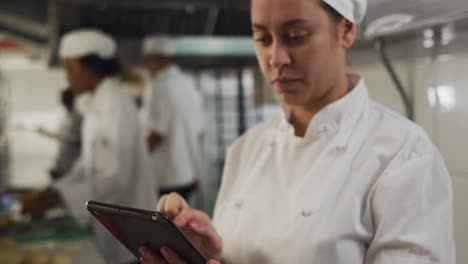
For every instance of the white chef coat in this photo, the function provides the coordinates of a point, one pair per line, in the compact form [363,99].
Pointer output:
[113,166]
[172,106]
[364,185]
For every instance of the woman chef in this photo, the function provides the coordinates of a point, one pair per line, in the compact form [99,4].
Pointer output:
[336,177]
[111,167]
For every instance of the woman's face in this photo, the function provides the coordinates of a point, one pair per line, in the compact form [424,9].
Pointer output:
[300,49]
[78,76]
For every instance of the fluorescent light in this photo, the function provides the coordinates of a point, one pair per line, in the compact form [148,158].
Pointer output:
[428,33]
[428,43]
[428,40]
[444,96]
[447,34]
[432,97]
[388,24]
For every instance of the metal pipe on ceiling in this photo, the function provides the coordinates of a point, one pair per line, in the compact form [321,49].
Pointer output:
[407,101]
[211,21]
[24,25]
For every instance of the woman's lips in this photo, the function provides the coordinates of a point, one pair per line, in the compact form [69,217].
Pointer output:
[285,85]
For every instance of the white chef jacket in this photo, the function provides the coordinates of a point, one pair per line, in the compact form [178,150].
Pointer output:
[113,166]
[364,185]
[172,106]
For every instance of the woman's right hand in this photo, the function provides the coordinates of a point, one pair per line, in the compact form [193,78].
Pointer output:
[195,224]
[168,256]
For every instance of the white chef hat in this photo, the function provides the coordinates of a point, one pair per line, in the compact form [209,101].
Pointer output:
[159,45]
[79,43]
[352,10]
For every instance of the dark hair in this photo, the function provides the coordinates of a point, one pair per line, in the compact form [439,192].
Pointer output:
[332,13]
[68,98]
[101,67]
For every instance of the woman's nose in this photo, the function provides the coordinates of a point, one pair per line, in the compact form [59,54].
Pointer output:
[279,56]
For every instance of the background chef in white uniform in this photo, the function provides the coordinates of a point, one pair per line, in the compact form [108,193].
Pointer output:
[111,168]
[172,118]
[336,177]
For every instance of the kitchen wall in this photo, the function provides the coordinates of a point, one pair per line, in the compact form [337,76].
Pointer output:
[438,82]
[33,92]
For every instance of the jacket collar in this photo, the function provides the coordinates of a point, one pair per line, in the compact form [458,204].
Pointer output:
[101,94]
[169,70]
[339,115]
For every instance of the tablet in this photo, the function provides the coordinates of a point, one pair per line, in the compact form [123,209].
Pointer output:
[135,228]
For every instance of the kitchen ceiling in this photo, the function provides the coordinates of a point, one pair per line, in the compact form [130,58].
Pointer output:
[209,17]
[44,21]
[419,14]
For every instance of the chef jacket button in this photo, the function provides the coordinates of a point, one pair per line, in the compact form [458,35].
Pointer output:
[341,148]
[239,204]
[411,155]
[306,213]
[104,142]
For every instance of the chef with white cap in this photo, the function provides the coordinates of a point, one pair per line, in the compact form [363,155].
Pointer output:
[335,178]
[113,165]
[172,117]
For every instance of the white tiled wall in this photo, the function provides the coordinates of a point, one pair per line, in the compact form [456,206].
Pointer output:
[440,88]
[460,187]
[34,102]
[380,86]
[450,118]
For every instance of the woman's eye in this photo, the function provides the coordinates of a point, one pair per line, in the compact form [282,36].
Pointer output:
[262,40]
[296,37]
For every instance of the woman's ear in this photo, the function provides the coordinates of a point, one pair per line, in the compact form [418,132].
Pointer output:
[347,33]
